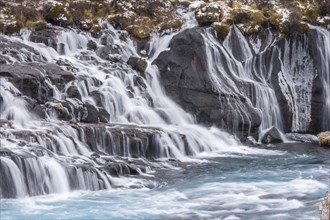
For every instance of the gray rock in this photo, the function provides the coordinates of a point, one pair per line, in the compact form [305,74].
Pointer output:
[104,115]
[46,36]
[271,136]
[137,63]
[91,115]
[305,138]
[73,92]
[91,45]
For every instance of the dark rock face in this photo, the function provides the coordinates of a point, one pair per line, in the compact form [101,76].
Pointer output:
[91,45]
[137,63]
[91,115]
[30,79]
[184,74]
[46,36]
[291,67]
[272,136]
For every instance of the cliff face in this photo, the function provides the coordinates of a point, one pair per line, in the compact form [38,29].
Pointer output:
[245,82]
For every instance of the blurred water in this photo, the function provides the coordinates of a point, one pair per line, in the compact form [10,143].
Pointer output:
[236,186]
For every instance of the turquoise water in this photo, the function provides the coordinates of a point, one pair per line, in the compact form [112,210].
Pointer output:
[288,185]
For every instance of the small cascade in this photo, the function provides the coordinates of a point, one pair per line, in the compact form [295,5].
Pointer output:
[323,54]
[296,80]
[245,76]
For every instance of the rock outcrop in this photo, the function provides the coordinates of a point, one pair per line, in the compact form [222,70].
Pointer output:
[184,75]
[272,136]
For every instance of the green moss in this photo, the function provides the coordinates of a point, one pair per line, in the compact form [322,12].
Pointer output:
[13,28]
[141,27]
[55,12]
[310,14]
[1,27]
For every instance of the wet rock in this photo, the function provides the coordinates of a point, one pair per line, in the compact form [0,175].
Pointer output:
[104,52]
[325,207]
[98,97]
[137,63]
[91,115]
[28,79]
[324,138]
[104,115]
[114,58]
[73,92]
[91,45]
[46,36]
[271,136]
[184,75]
[304,138]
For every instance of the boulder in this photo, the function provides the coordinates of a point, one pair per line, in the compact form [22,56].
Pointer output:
[271,136]
[104,115]
[304,138]
[142,17]
[73,92]
[137,63]
[91,45]
[30,79]
[206,14]
[324,138]
[91,115]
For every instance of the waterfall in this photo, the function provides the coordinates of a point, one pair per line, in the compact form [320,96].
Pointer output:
[52,156]
[74,118]
[245,76]
[296,79]
[323,43]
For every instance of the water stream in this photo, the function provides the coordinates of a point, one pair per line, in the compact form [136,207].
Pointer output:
[152,159]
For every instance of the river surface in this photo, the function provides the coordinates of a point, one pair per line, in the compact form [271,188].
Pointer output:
[277,184]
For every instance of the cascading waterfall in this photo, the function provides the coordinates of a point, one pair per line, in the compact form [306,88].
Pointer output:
[296,80]
[246,67]
[323,37]
[55,157]
[244,76]
[142,124]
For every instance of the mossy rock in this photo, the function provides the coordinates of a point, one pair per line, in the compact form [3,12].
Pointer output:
[324,138]
[36,25]
[206,14]
[13,28]
[142,17]
[250,21]
[141,27]
[173,23]
[184,3]
[55,12]
[123,19]
[222,29]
